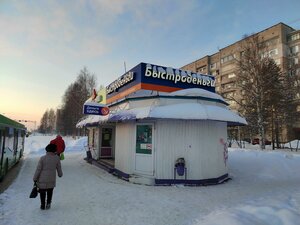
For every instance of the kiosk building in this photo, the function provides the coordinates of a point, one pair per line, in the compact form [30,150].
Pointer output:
[165,126]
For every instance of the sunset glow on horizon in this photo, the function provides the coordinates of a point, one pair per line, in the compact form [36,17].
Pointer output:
[45,44]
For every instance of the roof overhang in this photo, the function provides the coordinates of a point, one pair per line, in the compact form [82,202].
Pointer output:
[182,111]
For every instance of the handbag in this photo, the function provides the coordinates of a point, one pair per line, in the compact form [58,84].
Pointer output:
[34,191]
[62,156]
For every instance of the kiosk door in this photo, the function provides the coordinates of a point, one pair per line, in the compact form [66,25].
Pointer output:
[106,143]
[144,149]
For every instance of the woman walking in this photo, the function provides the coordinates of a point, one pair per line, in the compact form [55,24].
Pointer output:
[45,175]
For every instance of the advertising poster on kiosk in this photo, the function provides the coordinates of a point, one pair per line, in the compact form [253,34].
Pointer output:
[144,139]
[95,105]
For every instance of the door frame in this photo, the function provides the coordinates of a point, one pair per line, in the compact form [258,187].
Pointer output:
[113,141]
[152,172]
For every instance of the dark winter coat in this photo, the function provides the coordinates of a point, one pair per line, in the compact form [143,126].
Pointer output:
[60,144]
[45,174]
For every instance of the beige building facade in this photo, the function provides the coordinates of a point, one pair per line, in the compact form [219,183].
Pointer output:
[283,44]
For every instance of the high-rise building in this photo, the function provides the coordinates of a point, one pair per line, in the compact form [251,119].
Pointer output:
[283,44]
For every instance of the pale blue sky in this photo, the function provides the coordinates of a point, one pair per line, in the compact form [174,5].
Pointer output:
[44,44]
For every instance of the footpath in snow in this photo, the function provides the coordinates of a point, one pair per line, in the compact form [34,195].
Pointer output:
[265,189]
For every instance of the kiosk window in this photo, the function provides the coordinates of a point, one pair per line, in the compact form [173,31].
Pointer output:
[144,139]
[106,137]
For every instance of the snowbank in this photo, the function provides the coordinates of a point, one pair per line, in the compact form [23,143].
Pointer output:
[295,144]
[264,190]
[264,211]
[36,144]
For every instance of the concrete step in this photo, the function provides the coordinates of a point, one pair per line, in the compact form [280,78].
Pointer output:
[138,179]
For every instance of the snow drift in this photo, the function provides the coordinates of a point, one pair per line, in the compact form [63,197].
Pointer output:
[264,190]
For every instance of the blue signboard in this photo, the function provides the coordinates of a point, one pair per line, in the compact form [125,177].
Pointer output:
[147,76]
[95,110]
[176,78]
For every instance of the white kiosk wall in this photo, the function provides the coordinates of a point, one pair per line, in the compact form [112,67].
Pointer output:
[125,145]
[198,142]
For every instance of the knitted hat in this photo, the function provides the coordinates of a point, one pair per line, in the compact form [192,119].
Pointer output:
[51,148]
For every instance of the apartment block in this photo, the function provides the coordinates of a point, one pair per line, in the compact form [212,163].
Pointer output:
[283,43]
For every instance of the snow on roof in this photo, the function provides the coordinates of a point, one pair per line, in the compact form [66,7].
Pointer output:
[196,92]
[191,92]
[196,111]
[185,111]
[91,119]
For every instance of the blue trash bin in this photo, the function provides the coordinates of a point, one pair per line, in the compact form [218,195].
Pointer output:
[180,166]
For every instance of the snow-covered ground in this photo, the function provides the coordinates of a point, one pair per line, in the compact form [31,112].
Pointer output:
[265,189]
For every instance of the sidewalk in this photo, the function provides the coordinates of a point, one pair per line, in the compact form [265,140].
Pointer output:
[263,182]
[89,195]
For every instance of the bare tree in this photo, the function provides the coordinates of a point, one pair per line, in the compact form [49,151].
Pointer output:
[47,124]
[51,121]
[43,124]
[260,85]
[73,99]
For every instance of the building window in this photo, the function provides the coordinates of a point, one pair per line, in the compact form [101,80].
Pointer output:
[273,52]
[294,37]
[213,66]
[277,61]
[214,73]
[229,94]
[295,49]
[231,102]
[231,75]
[295,61]
[270,53]
[227,58]
[228,86]
[271,42]
[201,69]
